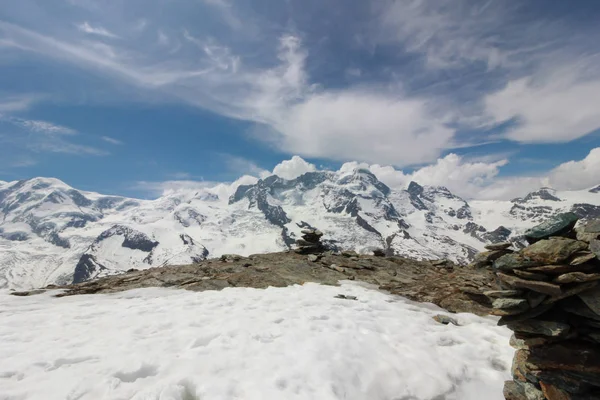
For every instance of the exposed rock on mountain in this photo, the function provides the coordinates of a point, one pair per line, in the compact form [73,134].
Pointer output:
[52,233]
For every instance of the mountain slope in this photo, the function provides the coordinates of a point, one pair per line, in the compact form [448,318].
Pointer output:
[52,233]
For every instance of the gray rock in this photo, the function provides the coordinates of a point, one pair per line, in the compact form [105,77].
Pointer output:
[346,297]
[555,226]
[592,226]
[553,251]
[516,390]
[445,320]
[538,327]
[595,248]
[313,258]
[527,315]
[510,303]
[571,290]
[231,257]
[509,262]
[502,293]
[498,246]
[537,286]
[576,277]
[575,306]
[349,253]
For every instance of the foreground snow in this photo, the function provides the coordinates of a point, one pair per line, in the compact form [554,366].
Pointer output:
[281,343]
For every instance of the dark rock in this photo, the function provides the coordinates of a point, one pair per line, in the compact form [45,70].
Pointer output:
[582,258]
[537,286]
[498,246]
[535,299]
[445,320]
[576,277]
[486,258]
[572,382]
[534,312]
[566,356]
[576,306]
[571,290]
[349,253]
[553,251]
[520,341]
[379,253]
[346,297]
[538,327]
[532,276]
[592,299]
[555,226]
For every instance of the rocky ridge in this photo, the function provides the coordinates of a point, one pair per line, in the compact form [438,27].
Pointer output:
[550,299]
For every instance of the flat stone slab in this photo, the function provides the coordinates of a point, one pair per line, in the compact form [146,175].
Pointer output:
[537,286]
[502,293]
[537,327]
[561,269]
[498,246]
[576,277]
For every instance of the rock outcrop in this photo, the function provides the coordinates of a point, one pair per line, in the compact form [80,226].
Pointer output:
[550,299]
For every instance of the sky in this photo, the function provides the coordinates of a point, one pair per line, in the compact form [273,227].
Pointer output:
[133,97]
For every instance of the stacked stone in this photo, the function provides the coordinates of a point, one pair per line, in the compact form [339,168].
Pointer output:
[310,243]
[550,299]
[494,252]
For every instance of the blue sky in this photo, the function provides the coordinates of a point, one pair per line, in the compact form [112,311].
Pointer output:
[132,96]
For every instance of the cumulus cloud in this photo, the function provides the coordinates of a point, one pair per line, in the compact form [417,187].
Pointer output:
[293,168]
[575,175]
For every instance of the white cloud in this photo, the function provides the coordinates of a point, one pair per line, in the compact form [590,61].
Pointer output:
[576,175]
[241,165]
[14,103]
[221,189]
[111,140]
[98,30]
[557,106]
[35,126]
[293,168]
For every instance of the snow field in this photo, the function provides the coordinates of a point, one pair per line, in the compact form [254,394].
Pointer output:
[297,342]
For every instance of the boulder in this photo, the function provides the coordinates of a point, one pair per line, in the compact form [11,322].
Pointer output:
[445,320]
[379,252]
[557,225]
[553,251]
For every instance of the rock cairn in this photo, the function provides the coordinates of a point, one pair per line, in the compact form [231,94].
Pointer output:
[310,243]
[550,299]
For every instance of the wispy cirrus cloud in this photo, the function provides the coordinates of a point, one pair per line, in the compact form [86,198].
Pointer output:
[111,140]
[98,30]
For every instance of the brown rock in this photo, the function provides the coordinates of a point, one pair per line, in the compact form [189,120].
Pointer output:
[576,277]
[532,276]
[537,286]
[502,293]
[520,341]
[561,269]
[553,393]
[582,258]
[553,251]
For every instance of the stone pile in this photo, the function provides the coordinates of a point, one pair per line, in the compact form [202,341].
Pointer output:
[310,243]
[550,299]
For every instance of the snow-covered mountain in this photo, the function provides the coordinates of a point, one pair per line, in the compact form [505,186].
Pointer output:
[52,233]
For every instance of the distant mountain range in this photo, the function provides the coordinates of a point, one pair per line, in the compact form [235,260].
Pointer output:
[53,233]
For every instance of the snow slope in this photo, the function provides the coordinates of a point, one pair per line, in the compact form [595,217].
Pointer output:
[52,233]
[288,343]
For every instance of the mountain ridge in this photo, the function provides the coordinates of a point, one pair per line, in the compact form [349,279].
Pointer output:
[53,233]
